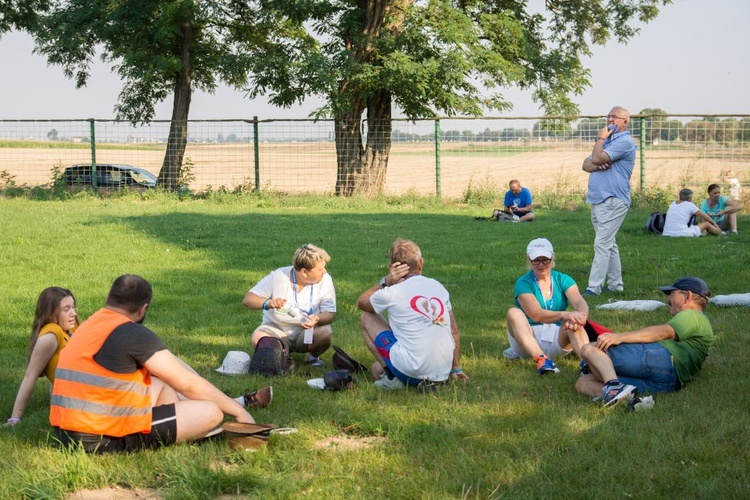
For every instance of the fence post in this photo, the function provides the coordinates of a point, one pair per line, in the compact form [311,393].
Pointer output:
[643,153]
[92,132]
[438,187]
[256,154]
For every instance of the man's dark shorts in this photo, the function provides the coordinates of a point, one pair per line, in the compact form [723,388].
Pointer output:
[163,433]
[384,341]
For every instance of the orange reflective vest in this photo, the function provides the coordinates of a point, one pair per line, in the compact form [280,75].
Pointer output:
[89,398]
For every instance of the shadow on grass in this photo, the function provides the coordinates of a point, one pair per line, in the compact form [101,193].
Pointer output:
[508,431]
[478,262]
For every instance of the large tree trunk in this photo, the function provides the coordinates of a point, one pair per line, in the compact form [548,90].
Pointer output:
[169,174]
[378,149]
[362,170]
[349,150]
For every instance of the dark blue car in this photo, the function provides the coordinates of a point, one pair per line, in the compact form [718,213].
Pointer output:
[109,175]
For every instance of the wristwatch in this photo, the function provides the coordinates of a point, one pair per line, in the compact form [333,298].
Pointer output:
[383,284]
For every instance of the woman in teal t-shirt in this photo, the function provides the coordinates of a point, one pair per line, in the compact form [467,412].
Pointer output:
[722,209]
[540,325]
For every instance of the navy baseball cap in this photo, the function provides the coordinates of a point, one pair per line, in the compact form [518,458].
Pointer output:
[689,284]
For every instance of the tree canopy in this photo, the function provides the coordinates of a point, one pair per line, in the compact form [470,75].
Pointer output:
[20,14]
[160,48]
[436,57]
[363,57]
[445,56]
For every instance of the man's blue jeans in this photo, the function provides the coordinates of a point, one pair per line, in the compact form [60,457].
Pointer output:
[649,367]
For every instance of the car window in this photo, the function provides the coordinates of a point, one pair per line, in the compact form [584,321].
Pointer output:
[115,176]
[78,175]
[141,177]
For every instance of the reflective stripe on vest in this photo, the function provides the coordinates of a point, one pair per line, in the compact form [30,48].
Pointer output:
[98,408]
[101,381]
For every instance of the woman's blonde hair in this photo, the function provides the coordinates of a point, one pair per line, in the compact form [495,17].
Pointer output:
[307,256]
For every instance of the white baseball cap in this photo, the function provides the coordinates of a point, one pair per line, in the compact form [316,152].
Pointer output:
[235,363]
[540,247]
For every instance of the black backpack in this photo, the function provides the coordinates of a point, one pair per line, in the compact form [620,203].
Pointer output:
[271,357]
[655,222]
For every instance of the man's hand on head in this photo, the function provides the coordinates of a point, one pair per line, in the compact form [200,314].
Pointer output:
[397,273]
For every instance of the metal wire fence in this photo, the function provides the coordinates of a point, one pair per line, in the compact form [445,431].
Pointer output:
[429,157]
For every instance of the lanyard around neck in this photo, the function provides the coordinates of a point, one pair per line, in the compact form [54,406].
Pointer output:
[546,304]
[294,289]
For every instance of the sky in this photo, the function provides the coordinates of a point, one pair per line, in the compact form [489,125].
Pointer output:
[691,60]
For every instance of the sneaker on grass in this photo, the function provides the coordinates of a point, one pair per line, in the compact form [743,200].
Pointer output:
[545,365]
[584,369]
[315,362]
[616,393]
[389,383]
[640,404]
[429,386]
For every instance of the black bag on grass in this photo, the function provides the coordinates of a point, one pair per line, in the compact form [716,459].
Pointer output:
[655,222]
[271,357]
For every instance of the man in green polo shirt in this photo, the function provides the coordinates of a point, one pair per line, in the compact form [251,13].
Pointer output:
[660,358]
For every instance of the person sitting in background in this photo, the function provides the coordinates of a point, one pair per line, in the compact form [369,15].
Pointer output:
[734,185]
[680,213]
[722,209]
[518,203]
[658,358]
[55,320]
[540,326]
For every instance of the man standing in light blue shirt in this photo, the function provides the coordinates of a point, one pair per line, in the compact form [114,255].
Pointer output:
[610,165]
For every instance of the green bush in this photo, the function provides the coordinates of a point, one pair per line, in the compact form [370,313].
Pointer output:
[654,198]
[483,193]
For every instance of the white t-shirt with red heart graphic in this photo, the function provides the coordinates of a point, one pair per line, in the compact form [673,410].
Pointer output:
[418,312]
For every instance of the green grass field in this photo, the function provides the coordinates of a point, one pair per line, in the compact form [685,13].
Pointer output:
[507,433]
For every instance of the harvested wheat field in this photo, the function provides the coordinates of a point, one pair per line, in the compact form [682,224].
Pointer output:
[311,166]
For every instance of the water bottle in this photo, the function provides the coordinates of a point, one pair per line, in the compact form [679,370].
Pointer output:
[296,313]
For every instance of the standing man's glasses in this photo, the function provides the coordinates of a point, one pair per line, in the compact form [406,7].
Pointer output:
[614,117]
